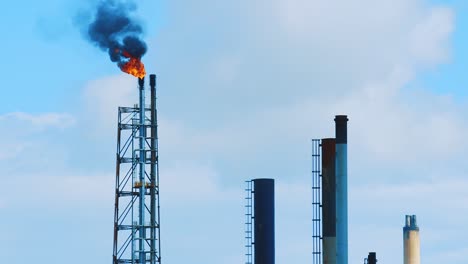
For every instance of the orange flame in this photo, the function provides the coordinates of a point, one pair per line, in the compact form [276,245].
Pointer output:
[133,66]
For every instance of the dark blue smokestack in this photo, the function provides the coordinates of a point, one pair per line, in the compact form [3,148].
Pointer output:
[116,32]
[264,221]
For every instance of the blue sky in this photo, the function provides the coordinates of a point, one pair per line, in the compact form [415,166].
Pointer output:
[450,77]
[243,87]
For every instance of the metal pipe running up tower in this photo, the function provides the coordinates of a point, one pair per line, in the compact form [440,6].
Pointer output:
[136,214]
[341,170]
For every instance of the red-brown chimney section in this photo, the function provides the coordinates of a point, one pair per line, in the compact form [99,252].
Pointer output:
[329,200]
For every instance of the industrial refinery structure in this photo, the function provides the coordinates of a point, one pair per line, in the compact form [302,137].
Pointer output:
[330,196]
[137,214]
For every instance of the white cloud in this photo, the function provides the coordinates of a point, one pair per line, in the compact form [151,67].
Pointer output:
[24,132]
[11,150]
[401,130]
[40,121]
[429,39]
[62,191]
[305,61]
[293,223]
[102,98]
[455,254]
[385,127]
[416,195]
[188,183]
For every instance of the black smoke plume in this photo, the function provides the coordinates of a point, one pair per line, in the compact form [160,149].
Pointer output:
[116,32]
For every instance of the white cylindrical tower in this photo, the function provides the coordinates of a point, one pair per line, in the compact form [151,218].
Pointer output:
[411,242]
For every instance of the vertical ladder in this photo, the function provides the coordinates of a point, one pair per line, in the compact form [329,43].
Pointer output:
[248,222]
[316,202]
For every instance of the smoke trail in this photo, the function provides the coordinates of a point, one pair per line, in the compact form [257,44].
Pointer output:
[115,32]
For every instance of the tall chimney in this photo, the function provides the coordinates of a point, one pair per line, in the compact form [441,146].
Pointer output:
[154,204]
[411,242]
[341,123]
[264,221]
[328,201]
[141,172]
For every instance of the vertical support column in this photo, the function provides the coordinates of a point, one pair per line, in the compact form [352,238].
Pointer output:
[411,242]
[153,184]
[142,161]
[264,221]
[328,201]
[117,191]
[341,123]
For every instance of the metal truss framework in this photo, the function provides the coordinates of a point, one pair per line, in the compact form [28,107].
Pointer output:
[136,215]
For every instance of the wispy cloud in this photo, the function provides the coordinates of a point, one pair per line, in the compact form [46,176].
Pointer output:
[40,121]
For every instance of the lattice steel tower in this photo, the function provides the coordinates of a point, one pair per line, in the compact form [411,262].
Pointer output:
[136,216]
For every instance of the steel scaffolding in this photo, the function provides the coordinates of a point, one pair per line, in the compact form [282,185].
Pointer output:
[136,215]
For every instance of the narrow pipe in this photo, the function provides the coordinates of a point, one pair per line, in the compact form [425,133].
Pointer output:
[117,181]
[264,221]
[328,201]
[153,169]
[158,235]
[341,189]
[141,208]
